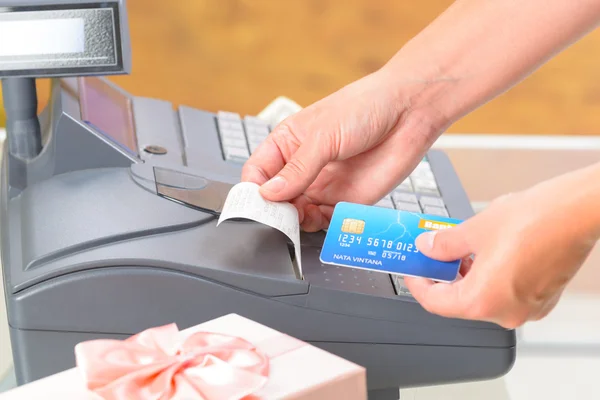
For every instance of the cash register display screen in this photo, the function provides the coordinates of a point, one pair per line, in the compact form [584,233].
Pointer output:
[109,111]
[43,37]
[59,40]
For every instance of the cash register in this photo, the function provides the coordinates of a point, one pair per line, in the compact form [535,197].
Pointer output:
[109,206]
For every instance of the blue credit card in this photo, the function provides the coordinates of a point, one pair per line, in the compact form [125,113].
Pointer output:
[383,239]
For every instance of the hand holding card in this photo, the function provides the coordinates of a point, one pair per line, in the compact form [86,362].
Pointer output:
[527,247]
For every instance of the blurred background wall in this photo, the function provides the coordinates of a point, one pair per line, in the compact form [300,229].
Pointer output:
[238,55]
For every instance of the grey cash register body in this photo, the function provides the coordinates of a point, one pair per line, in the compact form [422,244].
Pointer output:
[109,207]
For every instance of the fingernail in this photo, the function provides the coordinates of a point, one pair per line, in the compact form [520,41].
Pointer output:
[429,239]
[275,185]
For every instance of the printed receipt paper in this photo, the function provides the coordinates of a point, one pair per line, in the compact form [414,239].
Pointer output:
[244,201]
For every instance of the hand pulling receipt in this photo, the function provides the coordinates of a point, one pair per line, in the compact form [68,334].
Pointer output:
[244,201]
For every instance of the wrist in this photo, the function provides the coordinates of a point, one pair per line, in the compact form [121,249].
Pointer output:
[576,203]
[587,185]
[419,96]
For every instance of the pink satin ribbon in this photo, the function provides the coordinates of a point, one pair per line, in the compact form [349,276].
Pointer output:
[154,365]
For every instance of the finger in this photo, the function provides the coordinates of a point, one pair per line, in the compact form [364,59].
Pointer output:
[298,173]
[313,219]
[503,198]
[254,174]
[301,202]
[465,266]
[445,245]
[327,212]
[264,163]
[367,177]
[443,299]
[316,218]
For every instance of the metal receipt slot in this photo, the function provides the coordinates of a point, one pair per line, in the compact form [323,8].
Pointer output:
[109,204]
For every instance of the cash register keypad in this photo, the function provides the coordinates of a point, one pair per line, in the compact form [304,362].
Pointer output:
[240,138]
[418,193]
[257,131]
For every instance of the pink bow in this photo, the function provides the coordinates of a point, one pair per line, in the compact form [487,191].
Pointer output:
[152,365]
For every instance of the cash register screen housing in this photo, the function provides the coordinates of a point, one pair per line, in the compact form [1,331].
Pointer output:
[109,111]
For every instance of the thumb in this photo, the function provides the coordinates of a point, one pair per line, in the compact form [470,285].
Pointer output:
[298,173]
[445,245]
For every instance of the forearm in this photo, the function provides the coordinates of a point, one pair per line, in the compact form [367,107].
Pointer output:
[478,49]
[578,206]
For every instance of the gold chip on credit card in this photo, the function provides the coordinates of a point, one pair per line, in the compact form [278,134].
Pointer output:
[350,225]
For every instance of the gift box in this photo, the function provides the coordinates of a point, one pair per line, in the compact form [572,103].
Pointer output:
[227,358]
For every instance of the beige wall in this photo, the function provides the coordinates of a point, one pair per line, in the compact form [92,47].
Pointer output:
[240,54]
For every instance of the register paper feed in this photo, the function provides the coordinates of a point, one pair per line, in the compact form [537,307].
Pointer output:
[245,201]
